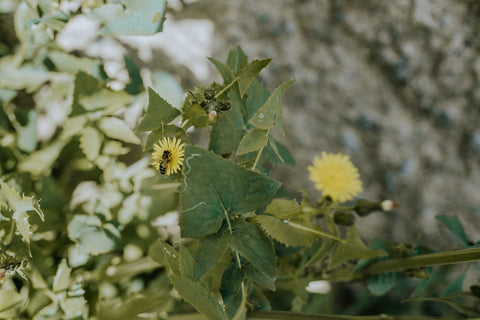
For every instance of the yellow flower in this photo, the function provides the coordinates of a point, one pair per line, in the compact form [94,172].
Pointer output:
[335,176]
[168,155]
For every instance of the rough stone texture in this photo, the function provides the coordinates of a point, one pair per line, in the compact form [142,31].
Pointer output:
[394,84]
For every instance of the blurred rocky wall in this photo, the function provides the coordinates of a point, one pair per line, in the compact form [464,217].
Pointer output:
[394,84]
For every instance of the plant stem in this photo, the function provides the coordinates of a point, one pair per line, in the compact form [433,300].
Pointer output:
[424,260]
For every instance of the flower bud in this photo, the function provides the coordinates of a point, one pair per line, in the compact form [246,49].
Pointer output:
[212,115]
[388,205]
[320,286]
[364,207]
[344,218]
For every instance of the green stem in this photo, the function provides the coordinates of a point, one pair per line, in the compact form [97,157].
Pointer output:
[424,260]
[258,158]
[226,88]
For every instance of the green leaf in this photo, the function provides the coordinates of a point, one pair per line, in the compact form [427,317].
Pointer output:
[249,72]
[10,301]
[380,284]
[20,207]
[27,136]
[159,113]
[255,140]
[84,85]
[117,129]
[271,112]
[456,285]
[258,277]
[252,244]
[167,87]
[40,162]
[90,143]
[165,254]
[224,70]
[455,227]
[257,96]
[231,289]
[353,249]
[139,18]
[214,188]
[135,86]
[91,236]
[210,250]
[277,153]
[198,296]
[196,116]
[285,233]
[61,281]
[186,262]
[105,99]
[282,208]
[228,130]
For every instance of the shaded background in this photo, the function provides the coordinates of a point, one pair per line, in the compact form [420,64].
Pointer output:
[394,84]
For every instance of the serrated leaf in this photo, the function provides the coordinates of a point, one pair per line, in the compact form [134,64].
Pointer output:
[257,96]
[378,285]
[61,281]
[282,208]
[117,129]
[271,112]
[258,277]
[285,233]
[20,207]
[105,99]
[165,254]
[224,70]
[249,72]
[139,18]
[208,188]
[27,136]
[252,244]
[353,249]
[156,135]
[90,143]
[159,113]
[84,85]
[91,236]
[255,140]
[210,250]
[455,227]
[198,296]
[41,162]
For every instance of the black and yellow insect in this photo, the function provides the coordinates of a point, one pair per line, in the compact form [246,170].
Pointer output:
[165,162]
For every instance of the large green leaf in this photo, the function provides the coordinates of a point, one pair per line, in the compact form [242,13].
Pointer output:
[214,189]
[285,233]
[198,296]
[271,112]
[210,250]
[139,18]
[159,113]
[254,245]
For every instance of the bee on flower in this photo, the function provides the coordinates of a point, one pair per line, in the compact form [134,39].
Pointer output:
[335,176]
[168,155]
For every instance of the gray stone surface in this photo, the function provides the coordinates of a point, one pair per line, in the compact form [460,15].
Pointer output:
[394,84]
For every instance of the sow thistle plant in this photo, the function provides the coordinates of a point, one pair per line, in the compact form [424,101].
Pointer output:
[248,248]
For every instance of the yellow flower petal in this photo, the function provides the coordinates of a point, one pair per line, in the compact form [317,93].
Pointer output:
[175,159]
[335,176]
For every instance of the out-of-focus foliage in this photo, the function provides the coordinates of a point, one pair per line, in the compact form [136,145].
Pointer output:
[114,239]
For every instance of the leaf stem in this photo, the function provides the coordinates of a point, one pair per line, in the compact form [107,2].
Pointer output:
[226,88]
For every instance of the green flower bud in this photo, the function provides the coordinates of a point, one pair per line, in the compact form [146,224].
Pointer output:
[344,218]
[364,207]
